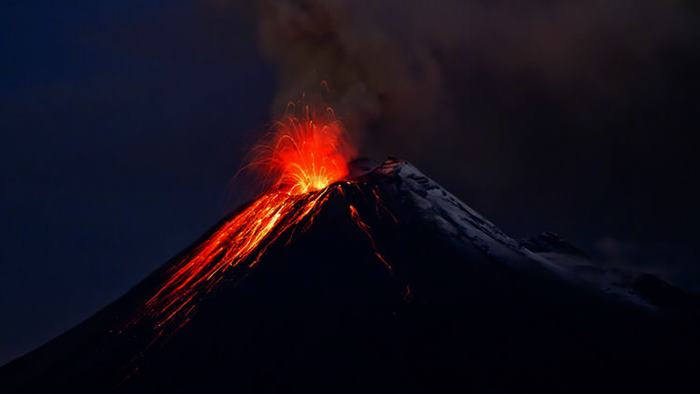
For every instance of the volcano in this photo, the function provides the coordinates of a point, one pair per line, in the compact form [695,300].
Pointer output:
[388,283]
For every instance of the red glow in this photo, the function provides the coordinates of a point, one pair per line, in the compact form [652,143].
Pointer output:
[244,237]
[365,229]
[304,154]
[300,161]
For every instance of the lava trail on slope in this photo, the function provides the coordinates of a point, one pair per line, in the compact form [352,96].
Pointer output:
[380,281]
[303,161]
[244,239]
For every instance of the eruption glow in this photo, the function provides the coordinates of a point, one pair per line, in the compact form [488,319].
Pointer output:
[304,155]
[301,161]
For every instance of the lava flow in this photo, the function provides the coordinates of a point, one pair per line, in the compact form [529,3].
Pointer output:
[301,162]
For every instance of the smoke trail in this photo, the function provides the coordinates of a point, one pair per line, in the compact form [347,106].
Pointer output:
[394,65]
[513,104]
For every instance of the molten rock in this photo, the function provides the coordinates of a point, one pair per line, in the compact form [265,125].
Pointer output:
[382,283]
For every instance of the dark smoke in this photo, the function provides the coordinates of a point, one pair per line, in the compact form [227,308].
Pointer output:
[547,115]
[406,64]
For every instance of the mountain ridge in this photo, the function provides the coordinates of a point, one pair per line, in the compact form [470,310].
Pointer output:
[457,301]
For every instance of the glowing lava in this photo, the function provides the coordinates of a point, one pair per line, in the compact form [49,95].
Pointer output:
[300,161]
[244,238]
[303,155]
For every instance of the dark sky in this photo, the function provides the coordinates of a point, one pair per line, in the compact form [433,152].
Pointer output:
[122,125]
[123,122]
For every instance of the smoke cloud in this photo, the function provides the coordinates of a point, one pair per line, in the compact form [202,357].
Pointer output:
[567,116]
[400,69]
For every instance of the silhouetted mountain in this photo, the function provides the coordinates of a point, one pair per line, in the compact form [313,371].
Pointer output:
[462,308]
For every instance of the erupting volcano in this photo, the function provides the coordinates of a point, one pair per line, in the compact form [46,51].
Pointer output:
[351,276]
[301,160]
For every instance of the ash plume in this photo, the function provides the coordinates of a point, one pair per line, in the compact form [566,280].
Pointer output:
[398,67]
[511,104]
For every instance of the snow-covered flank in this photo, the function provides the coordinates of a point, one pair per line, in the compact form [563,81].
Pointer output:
[459,222]
[451,216]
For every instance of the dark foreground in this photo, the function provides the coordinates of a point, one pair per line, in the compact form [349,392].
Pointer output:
[463,309]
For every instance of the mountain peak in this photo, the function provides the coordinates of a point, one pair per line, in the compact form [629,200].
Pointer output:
[387,282]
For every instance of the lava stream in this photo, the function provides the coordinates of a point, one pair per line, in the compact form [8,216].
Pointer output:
[301,161]
[245,236]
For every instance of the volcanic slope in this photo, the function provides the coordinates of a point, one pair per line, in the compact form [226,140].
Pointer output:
[394,286]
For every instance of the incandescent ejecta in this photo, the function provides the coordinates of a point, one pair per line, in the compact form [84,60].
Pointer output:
[345,276]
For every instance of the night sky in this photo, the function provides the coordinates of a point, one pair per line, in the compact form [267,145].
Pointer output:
[123,123]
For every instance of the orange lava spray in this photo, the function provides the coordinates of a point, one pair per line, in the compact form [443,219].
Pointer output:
[300,161]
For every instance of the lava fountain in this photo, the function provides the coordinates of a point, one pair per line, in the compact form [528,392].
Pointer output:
[300,162]
[305,154]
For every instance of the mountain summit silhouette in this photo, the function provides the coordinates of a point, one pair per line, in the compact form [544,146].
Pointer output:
[423,295]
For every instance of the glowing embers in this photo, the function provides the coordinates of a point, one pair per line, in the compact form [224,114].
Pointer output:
[355,216]
[298,161]
[301,161]
[244,238]
[304,154]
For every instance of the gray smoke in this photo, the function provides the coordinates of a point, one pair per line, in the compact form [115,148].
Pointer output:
[394,65]
[542,114]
